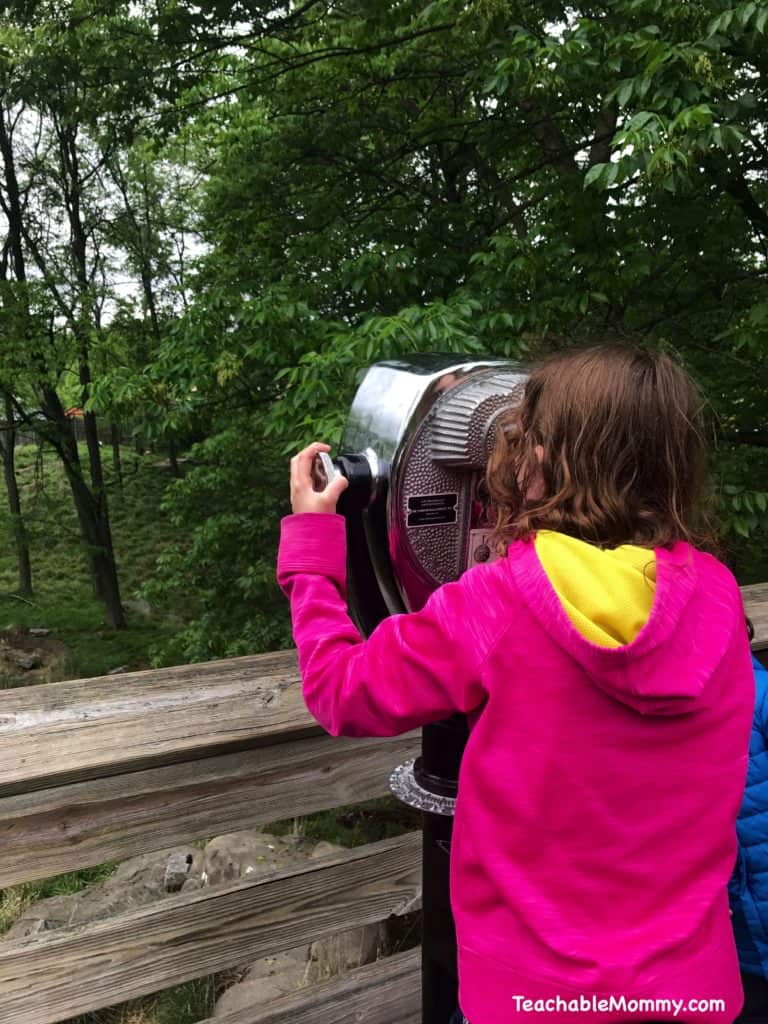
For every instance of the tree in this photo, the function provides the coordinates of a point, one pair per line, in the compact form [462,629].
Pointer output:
[508,176]
[8,455]
[64,114]
[151,224]
[489,176]
[71,297]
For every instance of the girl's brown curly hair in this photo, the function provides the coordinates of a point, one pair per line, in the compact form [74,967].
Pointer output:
[624,455]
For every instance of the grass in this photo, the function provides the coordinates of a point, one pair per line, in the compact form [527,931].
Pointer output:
[352,826]
[185,1004]
[63,600]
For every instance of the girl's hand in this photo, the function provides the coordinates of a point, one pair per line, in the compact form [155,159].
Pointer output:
[303,496]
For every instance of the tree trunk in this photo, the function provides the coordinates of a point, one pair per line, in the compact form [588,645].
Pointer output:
[172,459]
[8,448]
[89,505]
[103,564]
[114,436]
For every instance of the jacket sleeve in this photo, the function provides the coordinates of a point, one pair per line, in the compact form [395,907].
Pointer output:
[761,703]
[413,669]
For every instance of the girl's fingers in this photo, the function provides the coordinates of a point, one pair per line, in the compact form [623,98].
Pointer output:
[301,464]
[304,498]
[334,489]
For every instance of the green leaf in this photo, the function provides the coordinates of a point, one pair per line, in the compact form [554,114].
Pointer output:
[741,527]
[595,175]
[641,119]
[745,13]
[625,92]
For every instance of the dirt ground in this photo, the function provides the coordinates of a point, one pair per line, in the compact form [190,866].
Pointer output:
[28,658]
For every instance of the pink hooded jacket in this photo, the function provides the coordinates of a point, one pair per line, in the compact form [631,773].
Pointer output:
[594,832]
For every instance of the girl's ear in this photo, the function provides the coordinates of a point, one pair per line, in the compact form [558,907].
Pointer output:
[539,451]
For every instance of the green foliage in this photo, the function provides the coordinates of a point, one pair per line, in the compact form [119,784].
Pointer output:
[503,177]
[748,508]
[359,183]
[226,513]
[184,1004]
[743,509]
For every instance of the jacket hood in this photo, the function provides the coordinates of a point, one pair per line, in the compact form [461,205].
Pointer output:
[683,628]
[607,593]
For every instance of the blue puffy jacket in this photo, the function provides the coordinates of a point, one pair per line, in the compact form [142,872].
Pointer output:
[748,889]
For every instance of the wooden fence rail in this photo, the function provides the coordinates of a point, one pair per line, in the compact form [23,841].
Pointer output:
[92,728]
[756,606]
[100,769]
[72,970]
[65,828]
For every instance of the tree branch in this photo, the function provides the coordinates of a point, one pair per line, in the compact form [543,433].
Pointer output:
[737,188]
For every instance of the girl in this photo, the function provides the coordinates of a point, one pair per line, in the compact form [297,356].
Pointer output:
[605,671]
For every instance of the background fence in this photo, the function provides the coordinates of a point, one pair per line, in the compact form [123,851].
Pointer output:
[101,769]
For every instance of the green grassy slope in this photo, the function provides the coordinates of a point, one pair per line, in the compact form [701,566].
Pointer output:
[63,599]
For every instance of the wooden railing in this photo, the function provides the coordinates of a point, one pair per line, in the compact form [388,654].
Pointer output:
[101,769]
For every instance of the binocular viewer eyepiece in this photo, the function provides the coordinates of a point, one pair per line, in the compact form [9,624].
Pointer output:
[363,470]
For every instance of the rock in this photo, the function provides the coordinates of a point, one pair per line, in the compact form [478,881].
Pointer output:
[54,912]
[31,655]
[346,950]
[139,605]
[148,871]
[324,849]
[194,880]
[24,659]
[286,975]
[176,870]
[99,902]
[238,855]
[266,979]
[137,882]
[269,965]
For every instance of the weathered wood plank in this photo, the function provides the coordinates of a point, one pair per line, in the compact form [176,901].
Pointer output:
[387,992]
[756,606]
[65,732]
[51,978]
[69,827]
[99,727]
